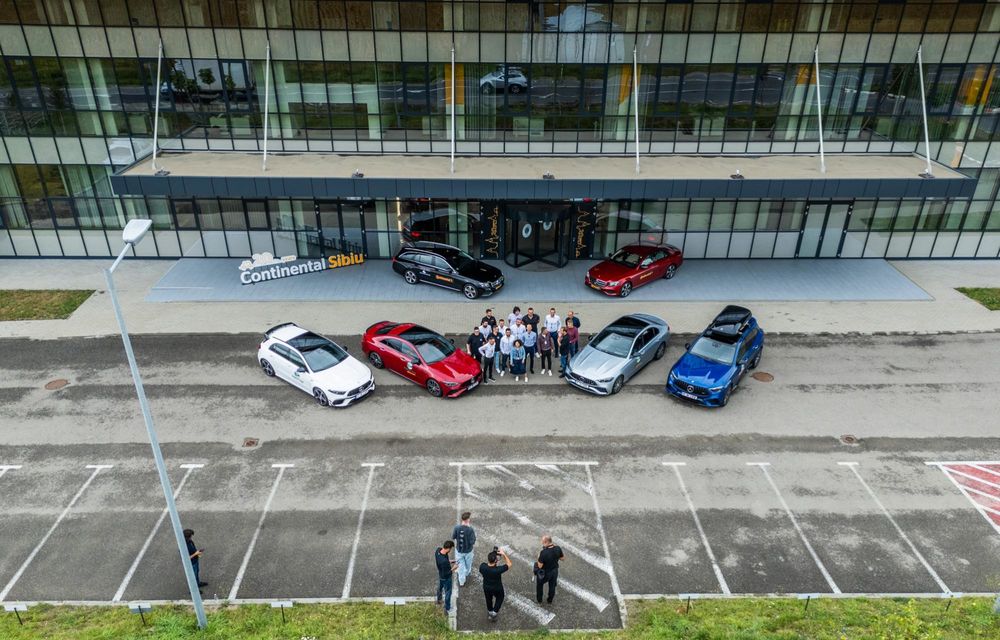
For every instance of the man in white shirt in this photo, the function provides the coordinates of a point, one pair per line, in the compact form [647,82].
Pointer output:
[506,344]
[552,324]
[518,330]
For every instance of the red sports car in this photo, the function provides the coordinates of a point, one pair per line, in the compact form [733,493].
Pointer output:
[634,266]
[421,356]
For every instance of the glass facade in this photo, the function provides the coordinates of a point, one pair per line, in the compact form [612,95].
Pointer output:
[78,85]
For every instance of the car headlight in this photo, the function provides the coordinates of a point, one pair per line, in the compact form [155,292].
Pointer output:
[485,285]
[717,389]
[337,393]
[672,376]
[451,384]
[605,379]
[614,283]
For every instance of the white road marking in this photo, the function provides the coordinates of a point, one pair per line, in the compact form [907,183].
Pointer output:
[979,480]
[149,540]
[357,534]
[256,534]
[514,463]
[902,534]
[453,613]
[522,604]
[607,550]
[4,468]
[937,463]
[982,509]
[552,468]
[38,547]
[587,556]
[501,470]
[798,528]
[697,523]
[987,470]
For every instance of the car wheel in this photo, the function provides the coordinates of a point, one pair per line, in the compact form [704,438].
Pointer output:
[617,385]
[268,369]
[410,277]
[376,360]
[486,88]
[434,388]
[321,398]
[625,290]
[756,359]
[515,88]
[670,272]
[470,291]
[725,396]
[660,350]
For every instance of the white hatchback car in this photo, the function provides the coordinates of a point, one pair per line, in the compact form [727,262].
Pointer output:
[314,364]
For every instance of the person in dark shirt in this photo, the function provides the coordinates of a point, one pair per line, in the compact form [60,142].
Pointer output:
[194,553]
[473,343]
[563,343]
[548,562]
[492,581]
[531,319]
[489,318]
[445,568]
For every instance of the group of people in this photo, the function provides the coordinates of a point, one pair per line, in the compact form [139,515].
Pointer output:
[463,542]
[511,346]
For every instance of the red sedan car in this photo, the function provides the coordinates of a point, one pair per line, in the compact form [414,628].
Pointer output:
[421,356]
[634,266]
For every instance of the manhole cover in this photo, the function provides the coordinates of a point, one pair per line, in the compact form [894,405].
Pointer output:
[850,440]
[762,376]
[250,442]
[58,383]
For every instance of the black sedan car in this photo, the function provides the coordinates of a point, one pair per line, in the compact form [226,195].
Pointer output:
[448,267]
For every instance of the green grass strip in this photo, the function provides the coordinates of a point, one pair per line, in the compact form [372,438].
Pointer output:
[989,297]
[40,304]
[728,619]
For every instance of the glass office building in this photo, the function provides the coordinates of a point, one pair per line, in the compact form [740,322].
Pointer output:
[719,83]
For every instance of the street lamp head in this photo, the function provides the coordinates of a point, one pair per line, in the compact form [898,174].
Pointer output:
[135,230]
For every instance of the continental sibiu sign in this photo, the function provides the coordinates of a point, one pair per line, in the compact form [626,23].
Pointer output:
[263,266]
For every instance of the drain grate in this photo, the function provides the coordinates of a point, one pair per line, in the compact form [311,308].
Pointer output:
[58,383]
[849,440]
[762,376]
[249,443]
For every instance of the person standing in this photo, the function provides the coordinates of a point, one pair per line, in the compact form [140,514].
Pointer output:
[530,341]
[473,343]
[487,352]
[544,347]
[513,316]
[517,355]
[518,330]
[492,581]
[195,554]
[489,319]
[445,567]
[548,562]
[552,324]
[574,337]
[485,329]
[531,319]
[465,539]
[506,344]
[497,356]
[563,352]
[573,320]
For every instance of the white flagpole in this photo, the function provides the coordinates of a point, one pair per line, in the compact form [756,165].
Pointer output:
[267,102]
[635,96]
[819,113]
[156,111]
[453,109]
[923,106]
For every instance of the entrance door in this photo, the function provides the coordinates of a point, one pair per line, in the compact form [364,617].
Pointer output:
[823,226]
[341,227]
[537,233]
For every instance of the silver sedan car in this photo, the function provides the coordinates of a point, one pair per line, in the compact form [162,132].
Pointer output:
[617,353]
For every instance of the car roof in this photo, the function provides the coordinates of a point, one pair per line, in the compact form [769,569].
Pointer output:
[438,248]
[730,324]
[285,332]
[644,249]
[629,325]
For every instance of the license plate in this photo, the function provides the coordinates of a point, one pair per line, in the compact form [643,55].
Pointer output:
[475,383]
[594,286]
[688,395]
[498,287]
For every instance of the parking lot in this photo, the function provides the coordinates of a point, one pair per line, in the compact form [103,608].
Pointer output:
[636,518]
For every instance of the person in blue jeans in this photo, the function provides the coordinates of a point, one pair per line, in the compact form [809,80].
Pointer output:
[465,539]
[445,567]
[563,352]
[195,554]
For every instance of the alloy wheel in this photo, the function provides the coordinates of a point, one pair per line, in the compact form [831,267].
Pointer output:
[617,386]
[321,398]
[660,351]
[671,272]
[626,289]
[410,277]
[470,292]
[268,369]
[434,388]
[376,360]
[756,360]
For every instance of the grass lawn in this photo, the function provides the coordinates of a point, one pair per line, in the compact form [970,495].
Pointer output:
[736,619]
[989,297]
[41,304]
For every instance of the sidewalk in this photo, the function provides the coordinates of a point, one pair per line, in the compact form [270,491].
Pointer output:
[946,311]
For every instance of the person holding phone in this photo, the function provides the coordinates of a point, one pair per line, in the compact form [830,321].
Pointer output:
[445,567]
[492,581]
[195,554]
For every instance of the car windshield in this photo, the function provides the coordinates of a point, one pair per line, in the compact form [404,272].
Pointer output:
[613,342]
[460,259]
[713,350]
[627,258]
[431,347]
[322,355]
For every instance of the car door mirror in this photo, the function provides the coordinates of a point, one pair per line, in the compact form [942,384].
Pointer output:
[687,345]
[645,264]
[300,370]
[409,365]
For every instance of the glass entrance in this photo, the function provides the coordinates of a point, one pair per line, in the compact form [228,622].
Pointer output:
[537,233]
[341,227]
[822,233]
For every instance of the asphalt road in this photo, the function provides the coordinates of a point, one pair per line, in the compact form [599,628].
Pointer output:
[761,504]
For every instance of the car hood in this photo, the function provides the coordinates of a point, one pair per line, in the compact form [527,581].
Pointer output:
[596,365]
[348,374]
[610,271]
[703,373]
[458,366]
[480,271]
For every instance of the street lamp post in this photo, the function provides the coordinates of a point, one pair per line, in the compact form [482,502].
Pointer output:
[133,233]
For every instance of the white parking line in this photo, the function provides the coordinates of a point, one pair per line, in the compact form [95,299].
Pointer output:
[260,523]
[4,468]
[723,585]
[580,592]
[522,604]
[453,612]
[615,588]
[853,467]
[552,468]
[978,480]
[357,534]
[501,470]
[189,469]
[38,547]
[513,463]
[982,509]
[791,516]
[989,471]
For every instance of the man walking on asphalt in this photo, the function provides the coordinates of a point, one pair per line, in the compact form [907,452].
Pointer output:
[445,568]
[492,581]
[548,562]
[195,554]
[465,539]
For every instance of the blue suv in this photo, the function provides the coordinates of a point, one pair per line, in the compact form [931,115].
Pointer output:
[717,360]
